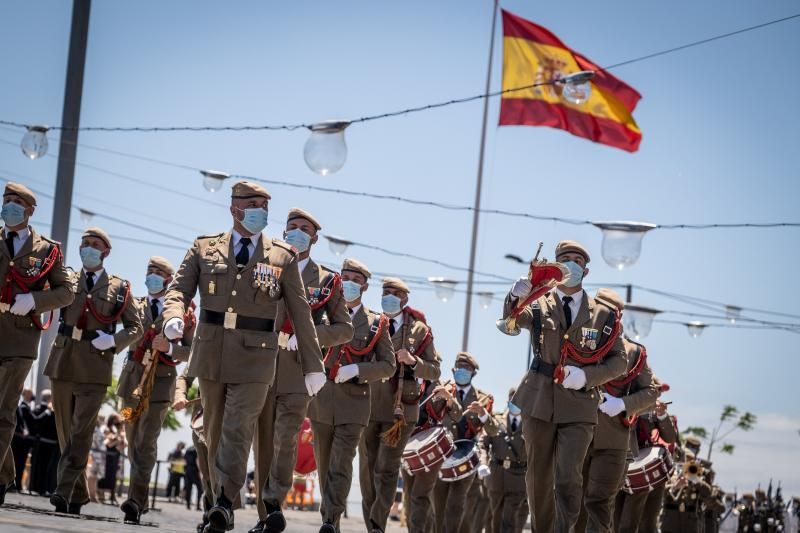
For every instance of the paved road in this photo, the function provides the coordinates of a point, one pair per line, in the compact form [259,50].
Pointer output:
[29,514]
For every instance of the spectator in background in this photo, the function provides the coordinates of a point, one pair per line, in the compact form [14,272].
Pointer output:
[22,442]
[114,445]
[46,453]
[97,459]
[177,469]
[192,477]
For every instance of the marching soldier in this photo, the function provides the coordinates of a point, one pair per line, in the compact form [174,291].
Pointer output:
[180,402]
[577,348]
[394,404]
[33,281]
[243,277]
[81,362]
[450,497]
[146,385]
[340,412]
[606,463]
[685,499]
[287,401]
[504,454]
[638,513]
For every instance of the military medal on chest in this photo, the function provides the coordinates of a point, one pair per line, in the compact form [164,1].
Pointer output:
[589,338]
[266,279]
[34,267]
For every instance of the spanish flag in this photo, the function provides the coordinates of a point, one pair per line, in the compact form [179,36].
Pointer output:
[531,55]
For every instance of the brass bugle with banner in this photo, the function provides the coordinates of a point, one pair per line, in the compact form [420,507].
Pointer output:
[543,277]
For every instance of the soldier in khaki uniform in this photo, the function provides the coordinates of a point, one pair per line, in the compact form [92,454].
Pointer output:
[607,461]
[81,362]
[559,415]
[504,454]
[287,401]
[450,497]
[417,359]
[340,412]
[150,349]
[33,281]
[243,277]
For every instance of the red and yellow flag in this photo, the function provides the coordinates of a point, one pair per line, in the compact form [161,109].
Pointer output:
[532,54]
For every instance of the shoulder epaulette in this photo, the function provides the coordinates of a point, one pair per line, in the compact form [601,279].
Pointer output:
[286,246]
[326,269]
[211,236]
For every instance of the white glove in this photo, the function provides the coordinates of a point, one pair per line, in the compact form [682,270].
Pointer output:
[173,329]
[576,378]
[522,287]
[612,406]
[315,382]
[291,344]
[346,373]
[104,341]
[23,304]
[483,471]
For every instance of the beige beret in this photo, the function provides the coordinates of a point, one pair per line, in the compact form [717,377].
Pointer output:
[99,233]
[21,191]
[610,298]
[296,212]
[395,283]
[356,266]
[161,264]
[693,442]
[466,357]
[571,246]
[248,189]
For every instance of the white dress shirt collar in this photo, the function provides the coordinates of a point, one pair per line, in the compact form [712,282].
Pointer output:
[96,273]
[354,310]
[19,240]
[575,304]
[302,264]
[236,237]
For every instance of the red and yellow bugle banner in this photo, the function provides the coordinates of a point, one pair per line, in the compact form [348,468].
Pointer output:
[531,55]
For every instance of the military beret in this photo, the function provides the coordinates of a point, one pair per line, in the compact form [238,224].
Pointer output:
[161,264]
[610,298]
[466,357]
[694,442]
[99,233]
[395,283]
[296,212]
[571,246]
[21,191]
[356,266]
[248,189]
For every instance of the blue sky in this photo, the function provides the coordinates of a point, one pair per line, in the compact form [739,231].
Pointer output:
[720,136]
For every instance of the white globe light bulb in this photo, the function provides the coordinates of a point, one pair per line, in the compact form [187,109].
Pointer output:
[695,329]
[622,242]
[638,320]
[325,150]
[444,288]
[34,143]
[213,179]
[485,299]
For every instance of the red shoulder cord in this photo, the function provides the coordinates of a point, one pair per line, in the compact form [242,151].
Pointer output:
[413,350]
[617,387]
[331,287]
[88,305]
[585,357]
[349,352]
[189,321]
[26,282]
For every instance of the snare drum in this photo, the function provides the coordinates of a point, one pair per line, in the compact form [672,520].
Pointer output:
[427,449]
[462,463]
[651,468]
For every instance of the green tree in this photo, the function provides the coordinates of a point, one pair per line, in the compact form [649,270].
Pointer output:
[729,421]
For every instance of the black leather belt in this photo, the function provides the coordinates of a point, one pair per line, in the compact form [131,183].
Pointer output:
[86,335]
[512,464]
[242,322]
[540,367]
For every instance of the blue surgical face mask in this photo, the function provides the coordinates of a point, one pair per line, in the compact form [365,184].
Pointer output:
[255,219]
[352,291]
[513,409]
[154,283]
[391,304]
[13,214]
[462,376]
[299,239]
[575,273]
[91,257]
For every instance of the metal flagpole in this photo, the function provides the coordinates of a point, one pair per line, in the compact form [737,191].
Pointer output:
[478,187]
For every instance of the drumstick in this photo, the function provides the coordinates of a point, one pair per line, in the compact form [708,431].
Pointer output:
[423,402]
[191,402]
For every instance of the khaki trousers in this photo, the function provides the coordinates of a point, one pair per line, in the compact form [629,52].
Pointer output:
[449,503]
[479,509]
[603,473]
[13,372]
[638,513]
[142,449]
[508,503]
[334,451]
[418,490]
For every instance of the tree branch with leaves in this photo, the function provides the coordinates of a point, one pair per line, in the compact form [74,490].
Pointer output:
[730,420]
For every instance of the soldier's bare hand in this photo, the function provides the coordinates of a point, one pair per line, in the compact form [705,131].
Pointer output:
[442,392]
[477,408]
[160,343]
[404,357]
[661,408]
[179,405]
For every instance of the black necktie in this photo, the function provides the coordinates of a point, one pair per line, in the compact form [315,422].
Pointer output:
[243,257]
[514,425]
[154,309]
[567,311]
[10,236]
[392,329]
[461,397]
[90,280]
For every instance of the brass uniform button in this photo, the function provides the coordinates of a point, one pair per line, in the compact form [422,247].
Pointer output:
[230,309]
[238,276]
[233,293]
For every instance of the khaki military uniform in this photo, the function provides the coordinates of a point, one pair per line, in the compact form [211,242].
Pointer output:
[450,497]
[275,442]
[20,336]
[235,348]
[379,464]
[559,422]
[341,411]
[80,374]
[182,385]
[505,455]
[143,433]
[607,461]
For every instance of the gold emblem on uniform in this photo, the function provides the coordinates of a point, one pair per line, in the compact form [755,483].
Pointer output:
[589,338]
[506,464]
[212,287]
